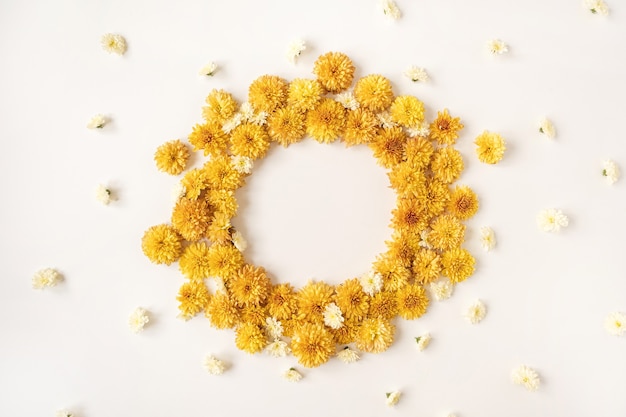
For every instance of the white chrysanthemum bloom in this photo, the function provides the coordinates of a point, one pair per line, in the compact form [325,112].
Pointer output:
[347,355]
[423,341]
[246,110]
[372,282]
[113,43]
[295,49]
[241,164]
[497,47]
[393,398]
[219,284]
[552,220]
[384,120]
[487,238]
[424,239]
[416,74]
[103,194]
[347,100]
[97,122]
[390,9]
[273,327]
[292,375]
[278,348]
[213,365]
[476,312]
[47,277]
[138,319]
[610,171]
[259,119]
[422,130]
[333,317]
[64,413]
[547,128]
[527,377]
[597,7]
[178,191]
[230,124]
[442,289]
[209,69]
[615,323]
[239,241]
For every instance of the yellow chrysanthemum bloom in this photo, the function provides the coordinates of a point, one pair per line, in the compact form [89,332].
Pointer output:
[426,266]
[253,314]
[463,202]
[436,198]
[222,175]
[447,164]
[334,71]
[374,92]
[313,298]
[221,106]
[325,123]
[282,303]
[447,232]
[223,201]
[375,335]
[221,311]
[406,180]
[267,93]
[458,264]
[445,128]
[286,126]
[395,274]
[383,305]
[407,111]
[224,261]
[361,127]
[312,345]
[409,216]
[195,182]
[412,301]
[346,333]
[210,138]
[250,286]
[193,297]
[171,157]
[388,146]
[418,152]
[292,324]
[162,244]
[351,300]
[191,218]
[304,94]
[219,230]
[490,147]
[250,338]
[194,261]
[403,247]
[250,140]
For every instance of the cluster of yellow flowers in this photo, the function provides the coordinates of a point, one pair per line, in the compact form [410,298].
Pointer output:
[427,223]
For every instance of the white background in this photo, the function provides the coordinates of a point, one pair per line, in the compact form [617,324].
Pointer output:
[310,211]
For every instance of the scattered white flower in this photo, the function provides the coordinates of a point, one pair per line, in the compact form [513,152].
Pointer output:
[527,377]
[259,119]
[597,7]
[390,9]
[333,317]
[422,130]
[610,171]
[278,348]
[138,319]
[497,47]
[552,220]
[547,128]
[476,312]
[372,282]
[393,398]
[239,241]
[442,289]
[178,191]
[97,122]
[347,355]
[347,100]
[385,121]
[273,327]
[230,124]
[615,323]
[424,239]
[103,194]
[487,238]
[63,413]
[209,69]
[47,277]
[246,110]
[292,375]
[295,49]
[113,43]
[423,341]
[416,74]
[213,365]
[241,164]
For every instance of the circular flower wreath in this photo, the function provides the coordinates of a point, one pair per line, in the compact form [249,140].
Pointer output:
[427,223]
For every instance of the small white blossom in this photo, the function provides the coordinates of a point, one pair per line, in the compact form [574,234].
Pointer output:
[333,317]
[64,413]
[416,74]
[384,120]
[209,69]
[615,323]
[372,282]
[259,119]
[610,171]
[597,7]
[278,348]
[547,128]
[97,122]
[273,327]
[527,377]
[239,241]
[103,194]
[487,238]
[476,312]
[422,130]
[178,191]
[424,239]
[390,9]
[442,289]
[423,341]
[393,398]
[47,277]
[213,365]
[347,355]
[552,220]
[295,49]
[113,43]
[138,319]
[497,47]
[230,124]
[347,100]
[241,164]
[219,284]
[247,111]
[292,375]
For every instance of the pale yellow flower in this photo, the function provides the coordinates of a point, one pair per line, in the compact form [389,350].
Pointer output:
[547,128]
[333,317]
[597,7]
[610,171]
[423,341]
[273,327]
[47,277]
[390,9]
[103,194]
[239,241]
[552,220]
[295,49]
[497,47]
[487,238]
[213,365]
[416,74]
[138,319]
[527,377]
[64,413]
[442,289]
[615,323]
[347,100]
[393,398]
[113,43]
[371,282]
[476,312]
[292,375]
[347,355]
[97,122]
[209,69]
[278,348]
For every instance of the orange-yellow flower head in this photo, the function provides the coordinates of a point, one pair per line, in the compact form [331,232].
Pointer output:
[395,274]
[224,261]
[195,182]
[210,138]
[191,218]
[221,311]
[436,198]
[282,302]
[334,71]
[426,266]
[304,94]
[490,147]
[193,297]
[325,122]
[447,232]
[286,126]
[406,180]
[412,301]
[445,128]
[219,230]
[221,106]
[250,338]
[418,152]
[361,127]
[312,344]
[222,175]
[194,262]
[409,216]
[313,298]
[375,335]
[447,164]
[162,244]
[463,202]
[171,157]
[374,92]
[458,264]
[267,93]
[388,146]
[223,201]
[351,299]
[407,111]
[250,286]
[250,140]
[383,305]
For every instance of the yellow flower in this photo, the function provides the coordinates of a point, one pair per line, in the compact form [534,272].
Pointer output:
[447,232]
[286,126]
[250,140]
[250,338]
[194,262]
[383,305]
[463,202]
[313,298]
[221,311]
[334,71]
[346,333]
[351,299]
[447,164]
[195,182]
[436,198]
[395,274]
[222,175]
[373,92]
[412,301]
[210,138]
[171,157]
[375,335]
[407,180]
[250,286]
[267,93]
[458,264]
[407,111]
[445,129]
[325,122]
[490,147]
[409,216]
[361,127]
[388,146]
[224,261]
[220,228]
[418,152]
[193,297]
[304,94]
[162,244]
[281,302]
[426,266]
[191,218]
[312,345]
[223,201]
[221,107]
[402,247]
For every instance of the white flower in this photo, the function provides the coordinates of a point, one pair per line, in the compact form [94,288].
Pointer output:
[476,312]
[497,47]
[138,319]
[416,74]
[385,121]
[209,69]
[292,375]
[178,191]
[347,100]
[424,239]
[333,317]
[295,49]
[423,341]
[547,128]
[241,164]
[246,110]
[113,43]
[213,365]
[63,413]
[390,9]
[442,289]
[47,277]
[528,377]
[259,119]
[615,323]
[278,348]
[393,398]
[372,282]
[97,122]
[421,130]
[610,171]
[230,124]
[103,194]
[552,220]
[273,327]
[347,355]
[239,241]
[597,7]
[487,238]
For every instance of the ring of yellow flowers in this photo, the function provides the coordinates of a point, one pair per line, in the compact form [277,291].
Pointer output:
[427,223]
